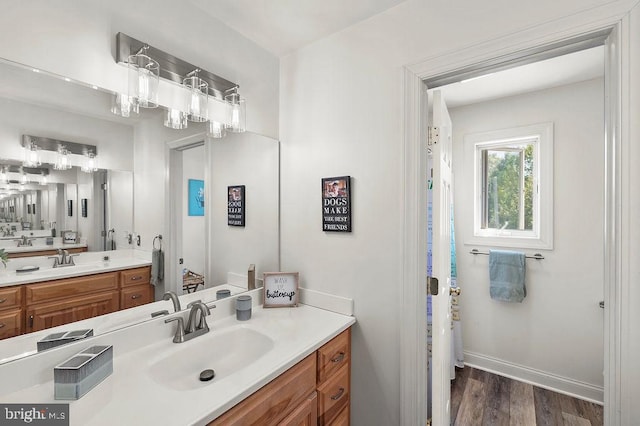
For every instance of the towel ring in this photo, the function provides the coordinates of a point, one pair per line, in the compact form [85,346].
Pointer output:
[159,238]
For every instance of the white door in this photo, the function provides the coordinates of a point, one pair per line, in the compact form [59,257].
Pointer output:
[439,239]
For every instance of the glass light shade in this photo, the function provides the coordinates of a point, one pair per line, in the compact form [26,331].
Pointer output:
[23,179]
[89,164]
[175,119]
[144,79]
[198,98]
[62,160]
[237,119]
[216,130]
[124,105]
[3,176]
[44,180]
[31,156]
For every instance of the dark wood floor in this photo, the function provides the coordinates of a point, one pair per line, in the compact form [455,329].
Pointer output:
[485,399]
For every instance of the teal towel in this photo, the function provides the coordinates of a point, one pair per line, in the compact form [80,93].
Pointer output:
[157,266]
[506,275]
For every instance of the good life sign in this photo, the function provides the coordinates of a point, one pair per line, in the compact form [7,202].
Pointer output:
[280,289]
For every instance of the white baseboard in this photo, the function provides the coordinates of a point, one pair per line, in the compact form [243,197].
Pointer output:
[535,377]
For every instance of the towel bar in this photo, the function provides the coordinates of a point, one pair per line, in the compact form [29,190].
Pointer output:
[536,256]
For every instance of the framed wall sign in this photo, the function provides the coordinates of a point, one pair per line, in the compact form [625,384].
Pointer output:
[196,197]
[236,205]
[336,204]
[280,289]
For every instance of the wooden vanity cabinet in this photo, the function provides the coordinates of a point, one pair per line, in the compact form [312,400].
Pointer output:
[32,307]
[50,252]
[11,313]
[316,391]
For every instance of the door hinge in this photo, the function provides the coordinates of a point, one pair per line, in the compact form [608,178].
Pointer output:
[432,286]
[433,136]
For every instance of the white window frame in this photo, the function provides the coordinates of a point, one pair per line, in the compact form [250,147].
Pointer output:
[541,236]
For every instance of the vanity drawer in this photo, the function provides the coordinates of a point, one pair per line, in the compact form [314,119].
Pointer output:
[333,355]
[70,287]
[333,396]
[10,323]
[10,297]
[272,403]
[135,296]
[135,276]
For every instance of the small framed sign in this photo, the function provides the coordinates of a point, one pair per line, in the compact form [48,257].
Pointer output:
[235,205]
[280,289]
[336,204]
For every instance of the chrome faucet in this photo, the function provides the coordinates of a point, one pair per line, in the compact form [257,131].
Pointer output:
[192,330]
[63,259]
[24,241]
[174,298]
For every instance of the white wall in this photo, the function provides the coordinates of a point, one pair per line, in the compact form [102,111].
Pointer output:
[193,227]
[340,113]
[558,329]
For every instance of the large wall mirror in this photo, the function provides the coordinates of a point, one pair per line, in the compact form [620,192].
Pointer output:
[104,207]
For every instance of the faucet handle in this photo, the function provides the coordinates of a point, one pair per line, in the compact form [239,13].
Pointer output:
[56,260]
[70,258]
[179,336]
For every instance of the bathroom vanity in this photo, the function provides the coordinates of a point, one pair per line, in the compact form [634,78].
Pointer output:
[286,366]
[36,301]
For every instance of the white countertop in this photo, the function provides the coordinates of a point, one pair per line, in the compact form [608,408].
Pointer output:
[132,395]
[85,264]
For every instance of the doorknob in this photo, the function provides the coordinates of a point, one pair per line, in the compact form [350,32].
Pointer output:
[454,291]
[601,304]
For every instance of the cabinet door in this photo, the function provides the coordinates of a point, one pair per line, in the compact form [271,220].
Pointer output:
[135,296]
[343,418]
[10,323]
[10,297]
[47,315]
[305,415]
[276,400]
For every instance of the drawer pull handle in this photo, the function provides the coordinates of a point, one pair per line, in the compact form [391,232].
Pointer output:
[1,324]
[135,296]
[3,300]
[136,278]
[338,357]
[338,395]
[30,321]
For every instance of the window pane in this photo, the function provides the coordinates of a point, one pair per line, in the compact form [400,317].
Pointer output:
[508,178]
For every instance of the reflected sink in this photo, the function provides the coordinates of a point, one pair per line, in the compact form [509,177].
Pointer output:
[225,351]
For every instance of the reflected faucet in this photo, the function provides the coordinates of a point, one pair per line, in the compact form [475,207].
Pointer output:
[174,298]
[24,241]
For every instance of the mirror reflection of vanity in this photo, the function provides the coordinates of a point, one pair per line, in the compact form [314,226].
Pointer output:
[43,105]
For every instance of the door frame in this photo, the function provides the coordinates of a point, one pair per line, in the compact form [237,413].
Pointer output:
[413,355]
[172,242]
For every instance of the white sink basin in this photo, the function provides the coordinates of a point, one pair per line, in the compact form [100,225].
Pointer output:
[224,351]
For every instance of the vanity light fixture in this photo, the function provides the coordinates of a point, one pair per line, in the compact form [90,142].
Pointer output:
[3,176]
[200,94]
[216,130]
[144,77]
[236,122]
[124,105]
[197,106]
[89,163]
[175,119]
[31,155]
[62,159]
